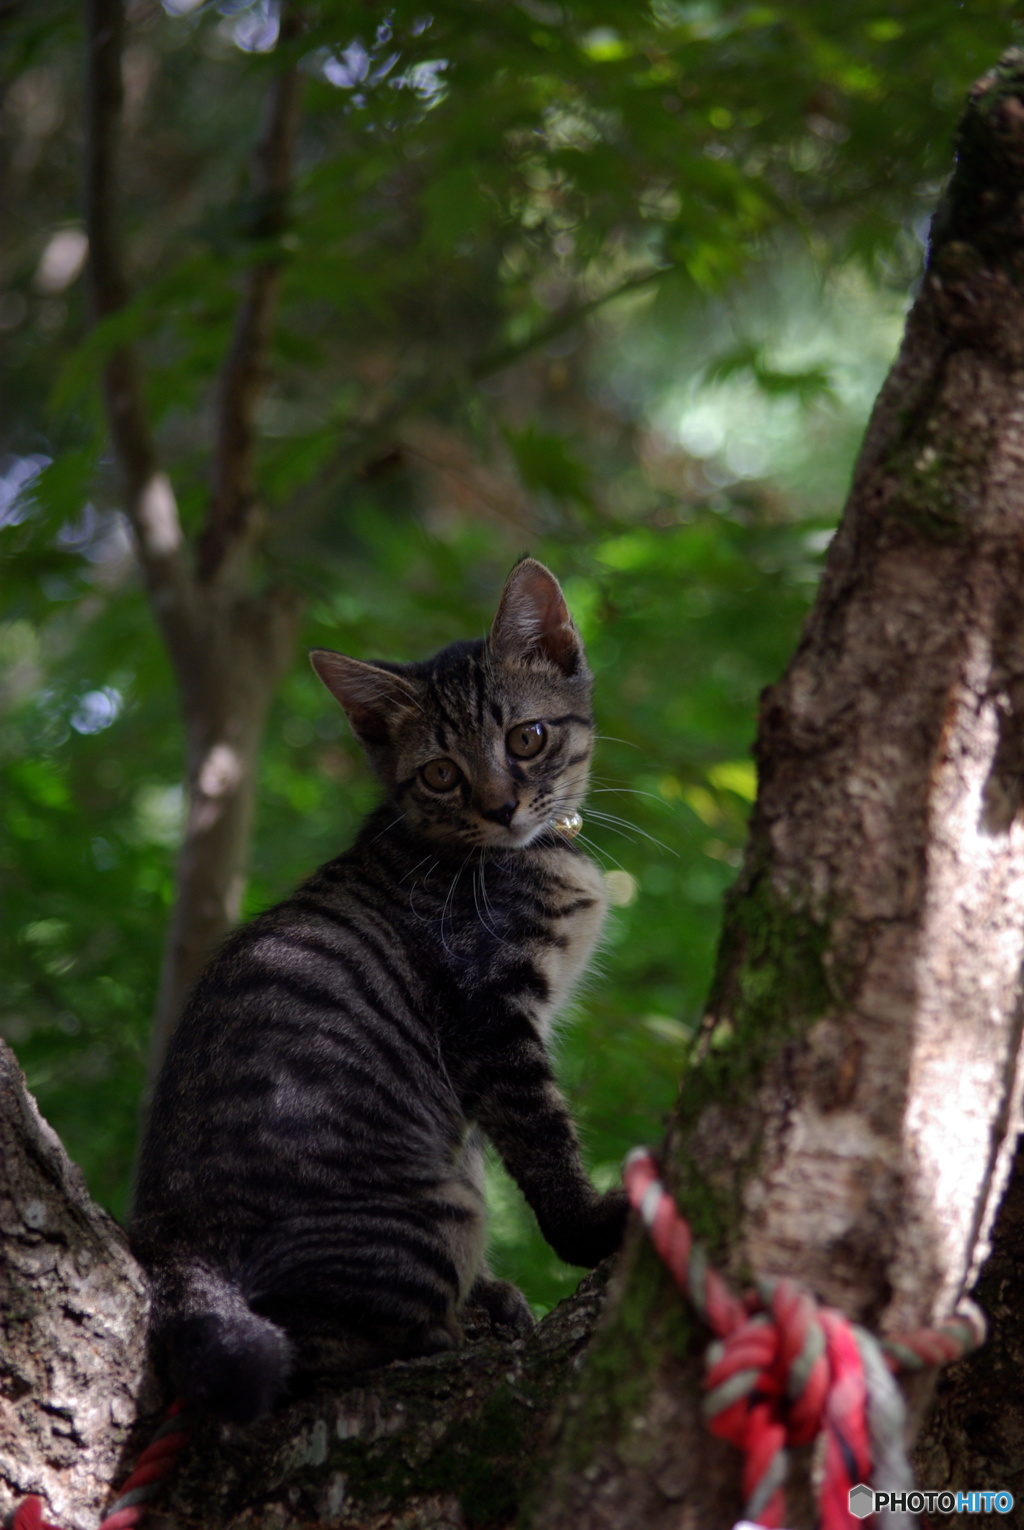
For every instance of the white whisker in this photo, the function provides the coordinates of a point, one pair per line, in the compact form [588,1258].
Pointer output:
[478,879]
[388,827]
[626,829]
[630,791]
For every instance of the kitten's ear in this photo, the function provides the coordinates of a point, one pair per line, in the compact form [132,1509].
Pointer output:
[533,620]
[370,694]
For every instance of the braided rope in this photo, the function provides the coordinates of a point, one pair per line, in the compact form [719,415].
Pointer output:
[132,1502]
[782,1370]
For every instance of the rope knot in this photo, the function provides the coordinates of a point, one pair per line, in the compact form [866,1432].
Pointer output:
[784,1370]
[777,1353]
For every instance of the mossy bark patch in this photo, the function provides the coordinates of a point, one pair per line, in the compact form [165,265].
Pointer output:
[460,1433]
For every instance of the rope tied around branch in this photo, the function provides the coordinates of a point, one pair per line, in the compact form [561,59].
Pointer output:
[783,1370]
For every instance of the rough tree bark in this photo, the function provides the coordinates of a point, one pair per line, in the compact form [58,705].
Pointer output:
[72,1321]
[851,1114]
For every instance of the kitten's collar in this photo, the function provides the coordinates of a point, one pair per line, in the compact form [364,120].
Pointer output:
[568,825]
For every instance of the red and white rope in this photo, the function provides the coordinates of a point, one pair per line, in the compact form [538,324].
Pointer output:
[783,1370]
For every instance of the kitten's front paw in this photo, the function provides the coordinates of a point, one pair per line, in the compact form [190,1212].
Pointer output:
[595,1234]
[505,1305]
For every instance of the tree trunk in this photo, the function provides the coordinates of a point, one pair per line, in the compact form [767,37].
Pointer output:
[852,1112]
[227,676]
[850,1116]
[229,644]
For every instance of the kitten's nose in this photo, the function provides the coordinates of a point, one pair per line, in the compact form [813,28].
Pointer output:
[502,815]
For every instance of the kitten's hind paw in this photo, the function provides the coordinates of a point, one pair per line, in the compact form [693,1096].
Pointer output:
[433,1339]
[506,1307]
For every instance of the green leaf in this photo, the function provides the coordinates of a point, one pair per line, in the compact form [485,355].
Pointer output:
[547,464]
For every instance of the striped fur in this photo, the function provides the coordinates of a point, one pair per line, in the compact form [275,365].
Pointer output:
[311,1179]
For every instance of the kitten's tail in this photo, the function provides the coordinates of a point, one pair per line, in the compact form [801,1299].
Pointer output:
[221,1356]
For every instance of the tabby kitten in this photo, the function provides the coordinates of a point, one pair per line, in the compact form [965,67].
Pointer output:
[312,1170]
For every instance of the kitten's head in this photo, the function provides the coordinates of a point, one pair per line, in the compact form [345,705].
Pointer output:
[488,741]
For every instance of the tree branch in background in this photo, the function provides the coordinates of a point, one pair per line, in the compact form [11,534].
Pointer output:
[233,502]
[361,439]
[149,499]
[228,654]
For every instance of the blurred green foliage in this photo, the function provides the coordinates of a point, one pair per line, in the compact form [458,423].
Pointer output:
[752,179]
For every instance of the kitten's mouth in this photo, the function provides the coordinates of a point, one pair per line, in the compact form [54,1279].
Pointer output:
[565,825]
[521,833]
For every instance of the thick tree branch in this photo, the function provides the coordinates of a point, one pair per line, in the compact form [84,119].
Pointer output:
[73,1308]
[233,502]
[439,1443]
[149,499]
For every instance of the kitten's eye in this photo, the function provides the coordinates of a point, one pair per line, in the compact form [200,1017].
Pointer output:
[441,775]
[526,739]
